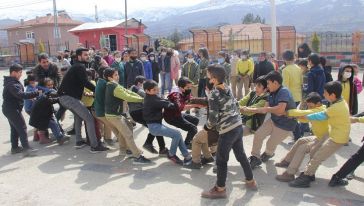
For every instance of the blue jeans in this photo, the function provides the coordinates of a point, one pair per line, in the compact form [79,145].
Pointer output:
[56,129]
[166,82]
[157,129]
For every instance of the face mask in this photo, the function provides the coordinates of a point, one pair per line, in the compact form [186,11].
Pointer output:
[151,58]
[143,58]
[347,75]
[190,60]
[118,59]
[187,92]
[220,60]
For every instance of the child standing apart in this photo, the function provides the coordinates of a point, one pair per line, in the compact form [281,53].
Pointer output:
[349,90]
[224,114]
[13,102]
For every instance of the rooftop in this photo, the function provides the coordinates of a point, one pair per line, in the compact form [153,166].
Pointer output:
[132,23]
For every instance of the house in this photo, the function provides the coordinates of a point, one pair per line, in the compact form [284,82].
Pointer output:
[111,34]
[33,36]
[253,37]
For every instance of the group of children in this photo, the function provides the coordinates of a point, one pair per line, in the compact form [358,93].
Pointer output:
[228,119]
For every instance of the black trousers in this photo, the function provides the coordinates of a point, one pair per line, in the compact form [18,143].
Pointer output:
[18,128]
[138,117]
[231,140]
[201,88]
[352,163]
[187,123]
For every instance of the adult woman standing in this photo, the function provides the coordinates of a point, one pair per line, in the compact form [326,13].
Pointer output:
[203,63]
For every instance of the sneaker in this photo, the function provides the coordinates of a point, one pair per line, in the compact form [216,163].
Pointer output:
[163,152]
[303,181]
[283,164]
[337,181]
[254,162]
[29,152]
[16,150]
[214,169]
[194,166]
[265,157]
[214,193]
[175,159]
[129,153]
[141,160]
[207,160]
[80,144]
[150,148]
[98,148]
[350,176]
[187,160]
[101,145]
[63,140]
[109,142]
[251,185]
[312,178]
[285,177]
[71,132]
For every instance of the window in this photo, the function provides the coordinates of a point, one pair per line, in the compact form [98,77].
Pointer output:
[107,41]
[30,35]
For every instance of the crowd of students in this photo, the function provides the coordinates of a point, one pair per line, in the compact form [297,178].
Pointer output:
[110,93]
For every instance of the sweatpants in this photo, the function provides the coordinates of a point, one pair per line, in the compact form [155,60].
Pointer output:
[276,136]
[227,141]
[18,128]
[187,123]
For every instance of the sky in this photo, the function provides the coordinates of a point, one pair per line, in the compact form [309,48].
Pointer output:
[11,8]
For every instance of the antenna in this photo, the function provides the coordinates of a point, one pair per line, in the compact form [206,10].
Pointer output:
[96,15]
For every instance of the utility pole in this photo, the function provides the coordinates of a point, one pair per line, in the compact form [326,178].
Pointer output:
[57,35]
[274,26]
[126,23]
[96,15]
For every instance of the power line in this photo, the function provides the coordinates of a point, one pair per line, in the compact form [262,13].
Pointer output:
[24,4]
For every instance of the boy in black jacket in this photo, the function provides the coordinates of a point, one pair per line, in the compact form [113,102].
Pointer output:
[152,113]
[13,96]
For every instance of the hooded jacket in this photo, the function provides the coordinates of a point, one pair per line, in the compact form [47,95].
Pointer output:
[316,80]
[42,112]
[14,95]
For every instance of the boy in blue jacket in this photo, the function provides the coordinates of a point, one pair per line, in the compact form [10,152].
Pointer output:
[147,66]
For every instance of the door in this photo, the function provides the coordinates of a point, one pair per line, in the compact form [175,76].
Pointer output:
[112,39]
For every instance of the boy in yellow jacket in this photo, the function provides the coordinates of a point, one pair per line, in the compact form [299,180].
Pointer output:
[295,156]
[338,118]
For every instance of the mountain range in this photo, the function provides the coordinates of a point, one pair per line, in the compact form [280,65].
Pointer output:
[305,15]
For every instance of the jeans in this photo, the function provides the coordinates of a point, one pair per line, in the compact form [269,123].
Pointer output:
[352,163]
[158,129]
[138,117]
[201,88]
[18,128]
[227,141]
[187,123]
[55,128]
[80,113]
[166,82]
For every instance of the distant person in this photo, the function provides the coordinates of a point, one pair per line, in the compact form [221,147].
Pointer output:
[303,51]
[263,67]
[202,64]
[349,91]
[133,68]
[327,69]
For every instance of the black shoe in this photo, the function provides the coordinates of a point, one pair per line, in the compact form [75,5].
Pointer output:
[312,178]
[163,152]
[254,162]
[175,159]
[188,145]
[99,148]
[141,160]
[71,132]
[207,160]
[16,150]
[150,148]
[187,160]
[302,181]
[194,166]
[214,169]
[63,140]
[337,181]
[80,144]
[265,157]
[101,145]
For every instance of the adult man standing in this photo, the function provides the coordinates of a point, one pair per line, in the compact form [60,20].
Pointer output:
[71,91]
[45,69]
[263,67]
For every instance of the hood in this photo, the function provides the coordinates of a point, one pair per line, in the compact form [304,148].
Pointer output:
[10,80]
[317,69]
